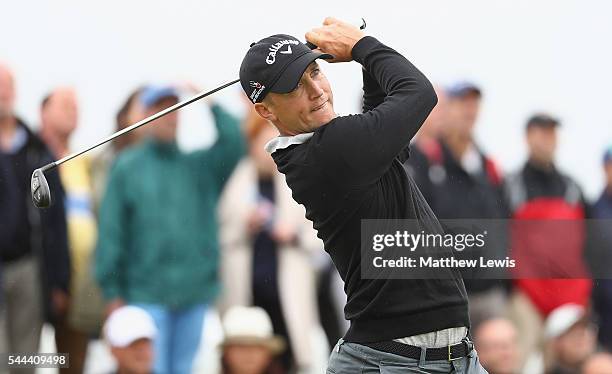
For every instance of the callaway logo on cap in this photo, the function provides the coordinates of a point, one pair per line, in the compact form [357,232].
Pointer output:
[275,64]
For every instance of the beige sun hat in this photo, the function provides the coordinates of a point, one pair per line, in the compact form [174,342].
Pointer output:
[250,326]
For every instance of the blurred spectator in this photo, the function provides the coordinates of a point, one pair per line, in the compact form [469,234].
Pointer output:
[458,167]
[599,363]
[570,339]
[130,112]
[129,332]
[35,263]
[249,346]
[600,256]
[427,146]
[59,119]
[158,246]
[548,211]
[497,345]
[267,247]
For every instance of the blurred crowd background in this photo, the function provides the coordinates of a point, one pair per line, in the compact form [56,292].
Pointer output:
[170,258]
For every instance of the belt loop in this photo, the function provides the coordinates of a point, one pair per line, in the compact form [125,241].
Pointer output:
[340,342]
[423,357]
[470,345]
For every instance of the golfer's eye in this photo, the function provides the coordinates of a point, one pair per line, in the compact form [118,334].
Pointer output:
[315,72]
[296,89]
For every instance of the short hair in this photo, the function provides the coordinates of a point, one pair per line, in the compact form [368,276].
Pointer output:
[542,120]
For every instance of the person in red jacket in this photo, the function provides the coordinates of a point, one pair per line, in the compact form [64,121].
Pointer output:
[547,236]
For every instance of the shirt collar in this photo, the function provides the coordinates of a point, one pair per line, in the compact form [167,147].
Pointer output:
[19,140]
[282,142]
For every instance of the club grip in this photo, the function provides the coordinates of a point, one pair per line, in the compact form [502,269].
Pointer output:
[310,45]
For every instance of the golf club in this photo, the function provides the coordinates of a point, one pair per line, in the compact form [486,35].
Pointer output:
[41,193]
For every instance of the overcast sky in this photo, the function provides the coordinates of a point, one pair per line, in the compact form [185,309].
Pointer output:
[550,56]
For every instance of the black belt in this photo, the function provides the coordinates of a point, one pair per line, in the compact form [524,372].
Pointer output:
[448,353]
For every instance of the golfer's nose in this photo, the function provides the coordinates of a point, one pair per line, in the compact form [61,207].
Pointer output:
[314,89]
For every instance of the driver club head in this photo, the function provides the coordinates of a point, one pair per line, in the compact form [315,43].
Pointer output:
[41,194]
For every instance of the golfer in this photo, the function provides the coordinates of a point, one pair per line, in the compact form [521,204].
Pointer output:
[346,168]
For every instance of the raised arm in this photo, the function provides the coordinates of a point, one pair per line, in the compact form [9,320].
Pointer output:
[373,95]
[229,148]
[360,148]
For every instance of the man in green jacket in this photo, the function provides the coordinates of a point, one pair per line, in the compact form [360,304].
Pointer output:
[157,246]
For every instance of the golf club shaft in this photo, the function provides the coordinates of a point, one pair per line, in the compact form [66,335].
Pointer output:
[138,124]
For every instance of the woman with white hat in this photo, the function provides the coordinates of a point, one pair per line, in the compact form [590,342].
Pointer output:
[249,346]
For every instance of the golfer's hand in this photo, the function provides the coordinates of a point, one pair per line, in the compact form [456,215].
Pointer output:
[336,38]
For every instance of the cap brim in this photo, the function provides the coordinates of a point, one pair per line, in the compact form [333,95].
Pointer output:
[122,339]
[125,342]
[275,344]
[293,73]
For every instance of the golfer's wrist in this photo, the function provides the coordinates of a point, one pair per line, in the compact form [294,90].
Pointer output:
[362,48]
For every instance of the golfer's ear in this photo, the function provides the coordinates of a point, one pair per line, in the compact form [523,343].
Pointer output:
[264,112]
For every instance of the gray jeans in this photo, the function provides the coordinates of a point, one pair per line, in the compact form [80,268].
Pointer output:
[353,358]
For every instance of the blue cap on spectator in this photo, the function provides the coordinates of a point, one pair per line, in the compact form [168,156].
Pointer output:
[462,88]
[608,155]
[151,95]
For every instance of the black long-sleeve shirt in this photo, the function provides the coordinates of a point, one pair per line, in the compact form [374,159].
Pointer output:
[349,170]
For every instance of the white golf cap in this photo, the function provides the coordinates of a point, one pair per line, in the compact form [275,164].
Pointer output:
[561,319]
[127,324]
[250,326]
